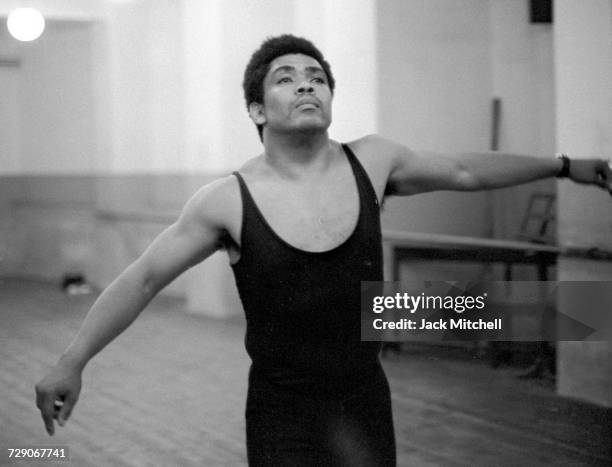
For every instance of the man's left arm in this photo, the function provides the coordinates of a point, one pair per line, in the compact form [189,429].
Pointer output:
[417,172]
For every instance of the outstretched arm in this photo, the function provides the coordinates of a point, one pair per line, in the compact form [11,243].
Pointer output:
[196,235]
[417,172]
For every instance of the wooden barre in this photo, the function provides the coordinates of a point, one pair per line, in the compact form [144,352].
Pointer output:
[444,241]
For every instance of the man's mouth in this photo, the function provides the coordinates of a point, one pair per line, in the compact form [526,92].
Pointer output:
[307,103]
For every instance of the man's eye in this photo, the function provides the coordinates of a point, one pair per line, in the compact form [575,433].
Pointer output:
[286,79]
[319,80]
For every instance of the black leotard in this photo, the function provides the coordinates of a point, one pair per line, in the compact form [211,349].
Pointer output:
[317,394]
[303,308]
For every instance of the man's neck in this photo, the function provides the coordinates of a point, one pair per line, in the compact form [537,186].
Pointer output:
[298,154]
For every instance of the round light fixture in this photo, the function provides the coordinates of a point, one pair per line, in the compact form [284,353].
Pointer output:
[25,24]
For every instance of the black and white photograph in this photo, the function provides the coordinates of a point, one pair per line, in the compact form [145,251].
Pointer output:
[278,233]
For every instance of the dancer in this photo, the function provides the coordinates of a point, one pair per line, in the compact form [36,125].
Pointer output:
[301,227]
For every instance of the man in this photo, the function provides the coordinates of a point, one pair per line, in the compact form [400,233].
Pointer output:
[301,227]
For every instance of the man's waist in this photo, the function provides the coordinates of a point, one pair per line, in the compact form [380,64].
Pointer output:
[320,375]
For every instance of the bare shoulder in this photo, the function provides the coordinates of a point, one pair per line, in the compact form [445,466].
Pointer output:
[216,206]
[379,157]
[376,145]
[378,151]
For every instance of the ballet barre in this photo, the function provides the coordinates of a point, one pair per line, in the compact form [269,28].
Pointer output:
[406,246]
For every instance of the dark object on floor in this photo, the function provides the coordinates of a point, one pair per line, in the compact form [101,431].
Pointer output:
[544,365]
[75,284]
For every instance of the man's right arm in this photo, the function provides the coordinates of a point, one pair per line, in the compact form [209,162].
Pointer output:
[196,235]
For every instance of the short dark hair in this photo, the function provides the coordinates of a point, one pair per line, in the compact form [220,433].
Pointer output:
[272,48]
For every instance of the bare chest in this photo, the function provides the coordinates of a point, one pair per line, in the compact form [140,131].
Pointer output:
[313,217]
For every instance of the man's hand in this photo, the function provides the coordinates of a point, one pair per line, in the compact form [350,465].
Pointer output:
[592,171]
[57,393]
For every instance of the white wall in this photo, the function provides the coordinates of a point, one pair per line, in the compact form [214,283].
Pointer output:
[50,101]
[523,78]
[51,124]
[440,64]
[583,37]
[140,52]
[79,10]
[56,101]
[434,88]
[10,110]
[434,73]
[156,86]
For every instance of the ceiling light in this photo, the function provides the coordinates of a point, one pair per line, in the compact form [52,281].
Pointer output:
[25,24]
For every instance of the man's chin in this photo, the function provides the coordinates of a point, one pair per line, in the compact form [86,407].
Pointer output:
[310,130]
[304,127]
[312,125]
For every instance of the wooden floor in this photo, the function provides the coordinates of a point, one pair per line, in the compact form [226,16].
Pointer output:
[170,391]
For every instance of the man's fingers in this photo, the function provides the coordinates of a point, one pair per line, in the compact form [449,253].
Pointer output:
[65,409]
[56,396]
[45,404]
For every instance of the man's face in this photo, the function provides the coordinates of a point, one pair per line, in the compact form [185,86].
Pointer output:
[297,96]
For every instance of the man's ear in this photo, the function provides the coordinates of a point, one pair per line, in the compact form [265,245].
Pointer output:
[256,113]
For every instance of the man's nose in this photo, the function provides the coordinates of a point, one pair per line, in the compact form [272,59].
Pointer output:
[305,88]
